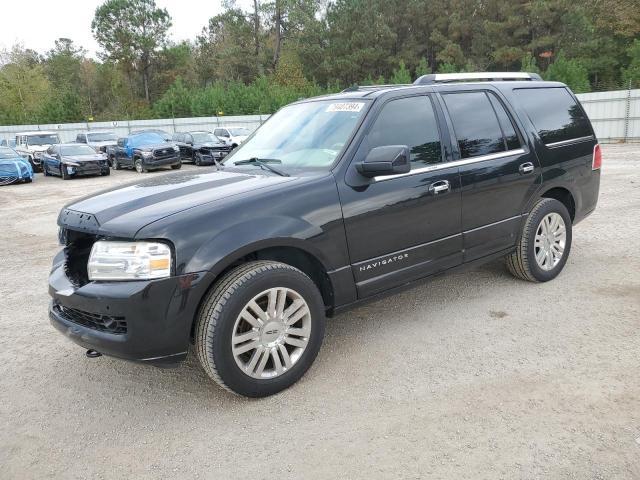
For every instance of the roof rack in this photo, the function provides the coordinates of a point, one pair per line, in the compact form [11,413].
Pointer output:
[482,76]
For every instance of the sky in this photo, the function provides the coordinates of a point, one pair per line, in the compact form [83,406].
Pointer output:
[36,24]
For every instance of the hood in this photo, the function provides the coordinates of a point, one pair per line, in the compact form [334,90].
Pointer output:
[154,146]
[84,158]
[11,161]
[39,148]
[211,145]
[123,211]
[106,143]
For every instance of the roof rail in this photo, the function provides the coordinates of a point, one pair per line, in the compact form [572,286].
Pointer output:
[355,88]
[482,76]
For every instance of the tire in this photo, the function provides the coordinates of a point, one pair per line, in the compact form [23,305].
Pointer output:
[28,180]
[45,172]
[63,172]
[219,322]
[177,166]
[139,166]
[106,172]
[197,159]
[115,163]
[529,261]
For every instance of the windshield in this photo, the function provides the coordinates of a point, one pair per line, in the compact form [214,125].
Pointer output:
[239,132]
[204,137]
[148,138]
[47,139]
[77,150]
[6,153]
[102,137]
[303,135]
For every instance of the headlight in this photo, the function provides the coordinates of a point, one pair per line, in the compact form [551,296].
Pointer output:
[111,260]
[147,154]
[73,164]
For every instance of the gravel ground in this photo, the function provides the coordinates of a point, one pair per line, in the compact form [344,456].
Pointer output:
[473,375]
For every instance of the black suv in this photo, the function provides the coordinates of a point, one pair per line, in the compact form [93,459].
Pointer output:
[201,148]
[339,199]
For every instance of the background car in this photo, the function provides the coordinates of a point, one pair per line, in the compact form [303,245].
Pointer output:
[98,140]
[232,136]
[33,146]
[200,147]
[13,167]
[144,152]
[74,159]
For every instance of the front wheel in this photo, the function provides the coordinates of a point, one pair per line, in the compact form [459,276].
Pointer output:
[544,243]
[140,168]
[64,172]
[115,163]
[260,328]
[177,166]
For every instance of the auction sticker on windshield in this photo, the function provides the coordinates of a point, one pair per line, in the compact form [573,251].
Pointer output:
[345,107]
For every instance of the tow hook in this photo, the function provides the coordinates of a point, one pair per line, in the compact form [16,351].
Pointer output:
[93,354]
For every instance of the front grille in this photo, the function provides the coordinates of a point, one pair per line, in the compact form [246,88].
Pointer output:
[94,321]
[161,153]
[77,250]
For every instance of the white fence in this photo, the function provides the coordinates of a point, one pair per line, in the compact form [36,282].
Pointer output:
[68,131]
[615,116]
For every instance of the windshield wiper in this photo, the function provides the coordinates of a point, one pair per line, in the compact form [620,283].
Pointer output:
[263,163]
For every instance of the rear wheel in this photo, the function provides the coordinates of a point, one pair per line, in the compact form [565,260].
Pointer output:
[260,328]
[544,244]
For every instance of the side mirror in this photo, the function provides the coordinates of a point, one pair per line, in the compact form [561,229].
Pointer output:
[387,160]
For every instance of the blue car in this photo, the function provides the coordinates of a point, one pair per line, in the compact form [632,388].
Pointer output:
[144,152]
[14,168]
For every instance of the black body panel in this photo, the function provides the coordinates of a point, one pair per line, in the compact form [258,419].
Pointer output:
[365,236]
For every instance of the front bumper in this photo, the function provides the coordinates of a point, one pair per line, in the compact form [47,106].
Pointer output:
[209,157]
[91,169]
[153,162]
[146,321]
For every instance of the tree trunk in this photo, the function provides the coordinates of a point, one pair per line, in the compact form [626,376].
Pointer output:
[256,28]
[278,40]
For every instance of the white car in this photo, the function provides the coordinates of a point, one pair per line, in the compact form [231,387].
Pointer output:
[233,136]
[33,145]
[98,140]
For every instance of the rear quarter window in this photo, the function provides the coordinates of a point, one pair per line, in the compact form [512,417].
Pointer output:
[555,114]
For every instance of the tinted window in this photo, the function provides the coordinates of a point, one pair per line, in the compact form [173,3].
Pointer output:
[475,123]
[554,113]
[509,131]
[80,138]
[409,121]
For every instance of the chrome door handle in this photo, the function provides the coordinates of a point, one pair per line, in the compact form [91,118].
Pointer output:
[439,187]
[526,168]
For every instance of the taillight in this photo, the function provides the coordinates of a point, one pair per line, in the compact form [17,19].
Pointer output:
[597,157]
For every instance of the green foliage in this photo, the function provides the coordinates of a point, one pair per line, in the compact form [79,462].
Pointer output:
[422,68]
[631,74]
[256,60]
[401,75]
[570,72]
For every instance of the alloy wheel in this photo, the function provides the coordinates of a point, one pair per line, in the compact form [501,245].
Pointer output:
[271,333]
[550,241]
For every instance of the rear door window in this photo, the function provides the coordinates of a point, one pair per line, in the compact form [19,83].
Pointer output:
[409,121]
[475,124]
[510,136]
[554,113]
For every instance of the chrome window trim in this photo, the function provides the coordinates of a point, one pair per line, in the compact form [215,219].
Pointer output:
[455,163]
[569,141]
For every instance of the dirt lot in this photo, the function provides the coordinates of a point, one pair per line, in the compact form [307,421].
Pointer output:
[473,375]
